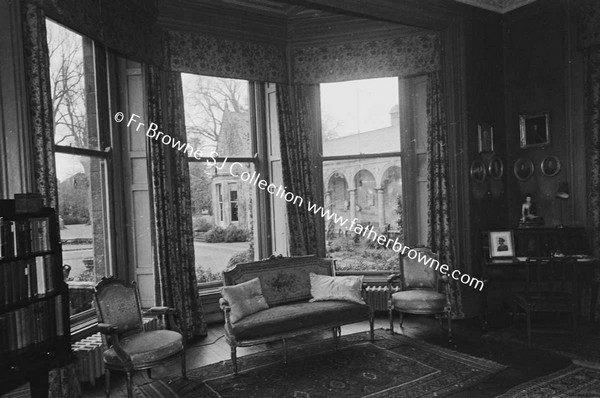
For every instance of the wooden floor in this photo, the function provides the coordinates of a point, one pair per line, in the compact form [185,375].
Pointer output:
[524,364]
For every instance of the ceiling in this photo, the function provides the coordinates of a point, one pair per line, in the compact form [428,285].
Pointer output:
[501,6]
[288,9]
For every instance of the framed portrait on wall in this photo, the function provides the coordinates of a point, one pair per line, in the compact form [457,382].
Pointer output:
[486,138]
[534,129]
[523,169]
[477,171]
[501,244]
[496,168]
[550,166]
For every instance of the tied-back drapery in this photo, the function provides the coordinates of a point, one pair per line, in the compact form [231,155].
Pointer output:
[296,107]
[440,227]
[62,382]
[175,272]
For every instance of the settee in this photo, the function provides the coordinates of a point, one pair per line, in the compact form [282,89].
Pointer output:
[286,286]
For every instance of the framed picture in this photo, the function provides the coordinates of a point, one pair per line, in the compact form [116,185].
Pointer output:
[477,171]
[496,168]
[523,169]
[534,130]
[501,244]
[486,138]
[550,166]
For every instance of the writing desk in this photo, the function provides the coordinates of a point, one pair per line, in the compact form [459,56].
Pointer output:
[513,271]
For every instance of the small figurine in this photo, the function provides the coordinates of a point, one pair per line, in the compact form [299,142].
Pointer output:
[528,213]
[528,209]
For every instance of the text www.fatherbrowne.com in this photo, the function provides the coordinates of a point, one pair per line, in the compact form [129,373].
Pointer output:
[279,191]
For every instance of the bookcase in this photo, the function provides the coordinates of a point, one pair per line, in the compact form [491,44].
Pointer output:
[34,299]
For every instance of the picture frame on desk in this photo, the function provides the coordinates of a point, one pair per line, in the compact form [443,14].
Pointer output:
[502,244]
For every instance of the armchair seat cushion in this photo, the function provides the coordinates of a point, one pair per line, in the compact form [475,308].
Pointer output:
[147,347]
[298,316]
[419,301]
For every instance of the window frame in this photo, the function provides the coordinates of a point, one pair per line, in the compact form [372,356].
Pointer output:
[408,163]
[259,159]
[84,322]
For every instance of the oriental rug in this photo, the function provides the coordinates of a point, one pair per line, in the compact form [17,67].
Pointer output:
[585,346]
[392,366]
[575,381]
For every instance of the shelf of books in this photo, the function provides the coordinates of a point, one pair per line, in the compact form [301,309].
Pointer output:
[34,299]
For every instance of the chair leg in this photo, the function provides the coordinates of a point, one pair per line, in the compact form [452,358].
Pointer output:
[335,337]
[449,314]
[391,311]
[149,373]
[372,326]
[234,360]
[284,351]
[401,319]
[129,385]
[183,365]
[107,382]
[528,314]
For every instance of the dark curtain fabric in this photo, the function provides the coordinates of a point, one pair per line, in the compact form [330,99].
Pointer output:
[175,271]
[37,78]
[62,382]
[440,226]
[592,126]
[296,108]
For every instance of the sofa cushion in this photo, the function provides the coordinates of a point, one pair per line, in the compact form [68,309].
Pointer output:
[419,301]
[345,288]
[244,299]
[297,316]
[147,347]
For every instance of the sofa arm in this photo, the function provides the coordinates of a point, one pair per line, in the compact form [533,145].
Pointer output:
[224,304]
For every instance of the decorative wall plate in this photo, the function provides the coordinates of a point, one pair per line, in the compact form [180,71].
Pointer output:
[478,171]
[523,169]
[550,166]
[496,168]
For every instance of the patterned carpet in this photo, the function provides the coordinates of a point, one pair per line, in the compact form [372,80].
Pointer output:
[584,346]
[393,366]
[573,382]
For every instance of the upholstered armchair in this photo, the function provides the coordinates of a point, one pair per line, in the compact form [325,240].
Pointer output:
[423,290]
[130,347]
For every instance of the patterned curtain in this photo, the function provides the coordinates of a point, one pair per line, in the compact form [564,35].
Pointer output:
[440,227]
[175,271]
[592,112]
[37,77]
[296,108]
[62,382]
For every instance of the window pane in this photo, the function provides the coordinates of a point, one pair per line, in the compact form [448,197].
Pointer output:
[369,190]
[360,117]
[217,116]
[223,217]
[73,87]
[83,224]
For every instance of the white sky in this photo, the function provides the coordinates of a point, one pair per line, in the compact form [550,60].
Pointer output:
[359,105]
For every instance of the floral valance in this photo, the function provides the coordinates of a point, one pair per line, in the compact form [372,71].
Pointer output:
[403,56]
[216,56]
[122,26]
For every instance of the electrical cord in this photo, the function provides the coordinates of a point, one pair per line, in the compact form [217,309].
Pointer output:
[205,344]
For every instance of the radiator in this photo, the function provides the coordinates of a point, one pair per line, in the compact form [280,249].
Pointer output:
[88,353]
[377,296]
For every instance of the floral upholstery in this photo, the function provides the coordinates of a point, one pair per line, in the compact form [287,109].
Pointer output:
[118,305]
[147,347]
[419,301]
[291,317]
